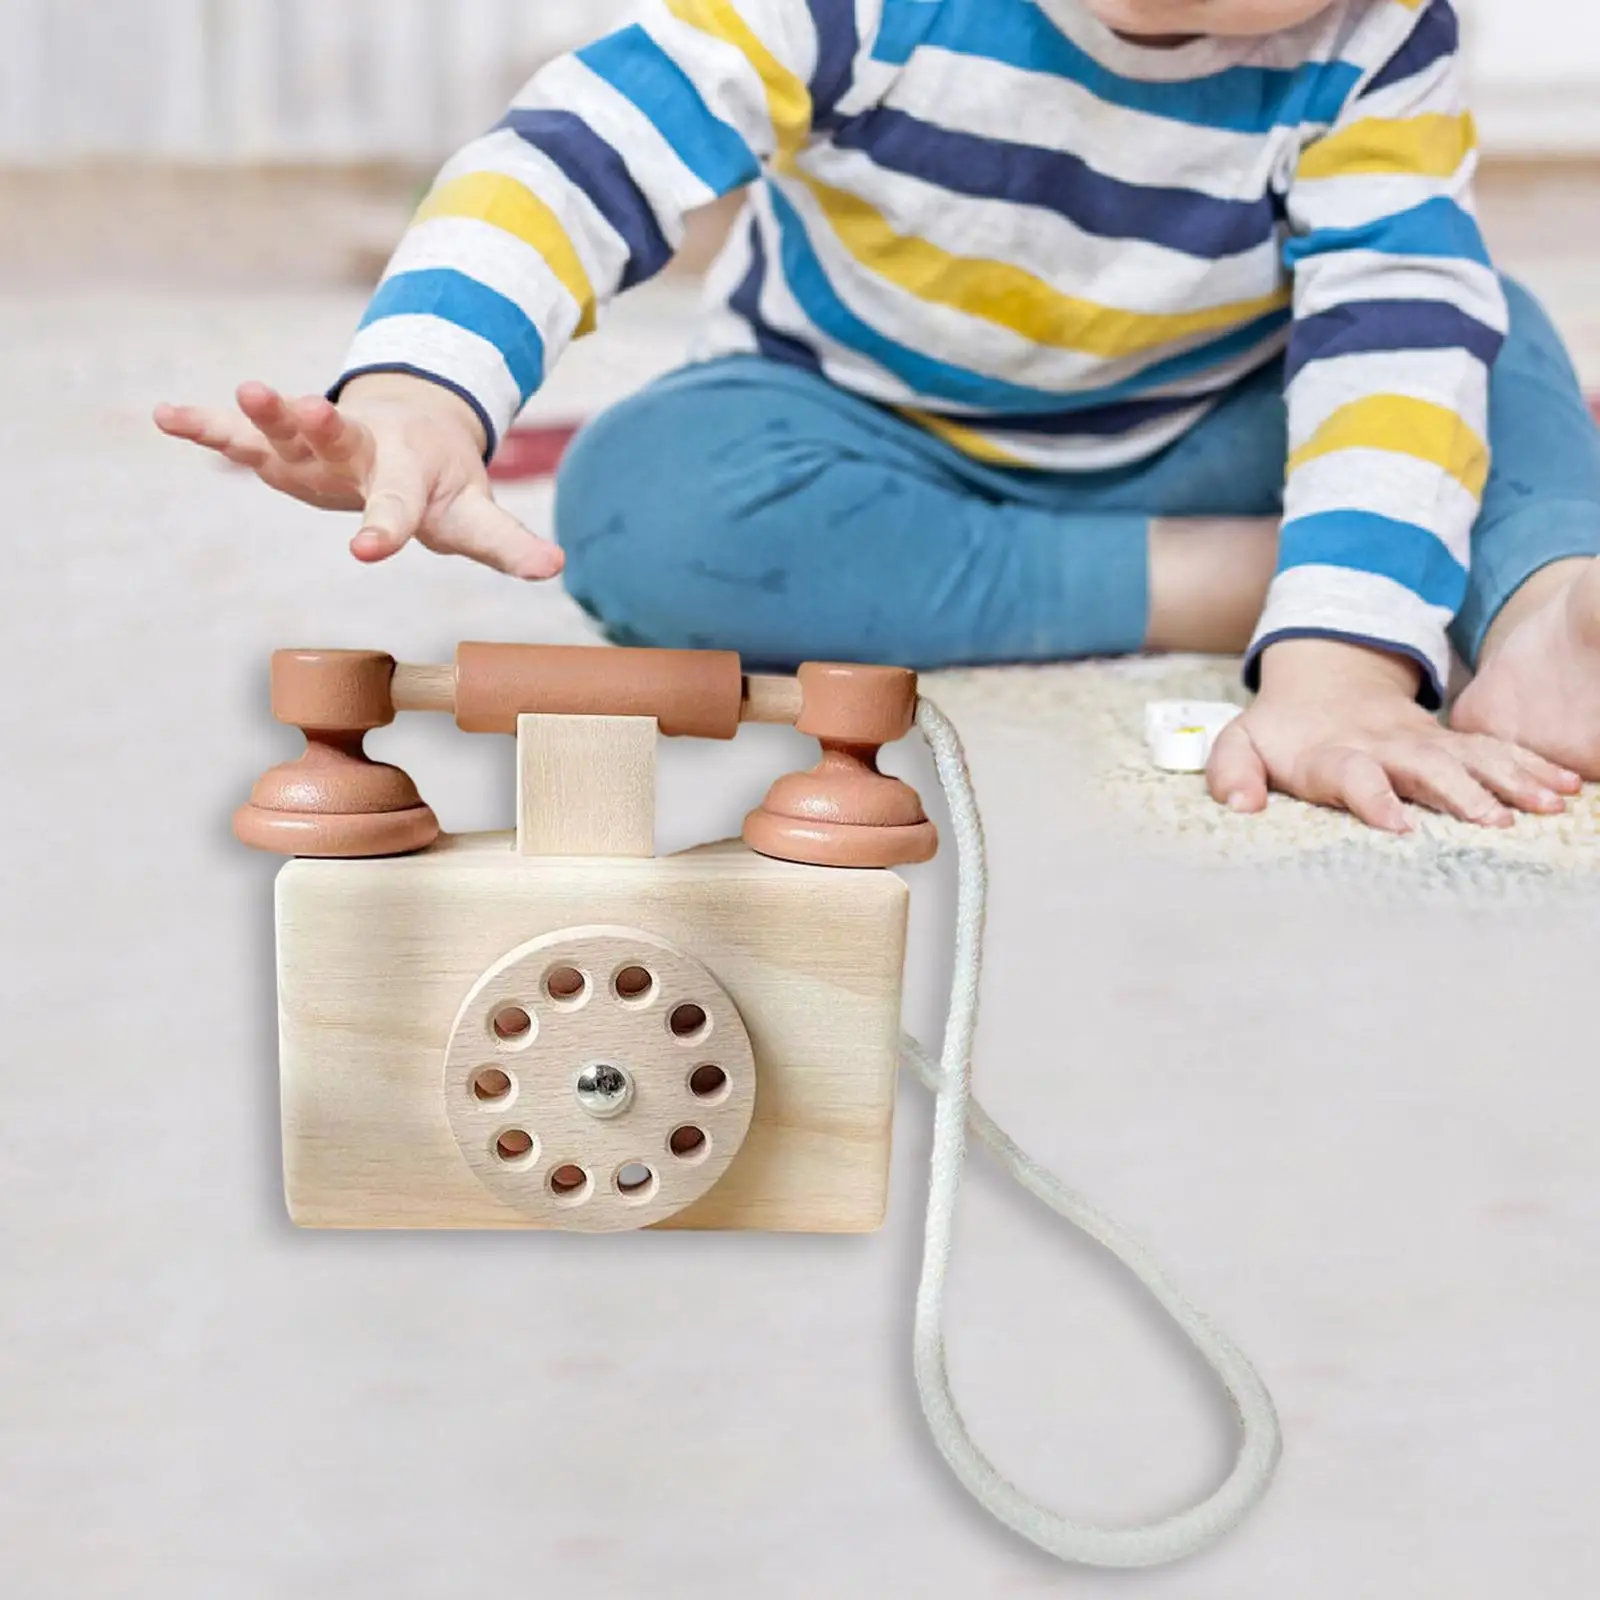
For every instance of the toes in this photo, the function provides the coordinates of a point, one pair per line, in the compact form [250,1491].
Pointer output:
[1562,779]
[1519,777]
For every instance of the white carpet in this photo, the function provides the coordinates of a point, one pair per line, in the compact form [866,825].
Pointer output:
[1087,723]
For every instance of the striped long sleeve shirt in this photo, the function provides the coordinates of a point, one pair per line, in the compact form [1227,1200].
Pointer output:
[1052,246]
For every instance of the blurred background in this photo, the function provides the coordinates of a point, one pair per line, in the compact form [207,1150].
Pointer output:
[280,144]
[179,139]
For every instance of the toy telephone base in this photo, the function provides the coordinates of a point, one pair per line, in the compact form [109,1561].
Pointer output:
[555,1029]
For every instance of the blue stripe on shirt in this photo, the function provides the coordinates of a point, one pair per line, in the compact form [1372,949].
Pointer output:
[1435,36]
[590,164]
[928,376]
[989,169]
[1101,422]
[642,72]
[1017,33]
[1365,542]
[903,26]
[1361,327]
[455,298]
[1438,228]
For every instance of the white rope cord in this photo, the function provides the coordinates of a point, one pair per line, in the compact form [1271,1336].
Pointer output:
[951,1081]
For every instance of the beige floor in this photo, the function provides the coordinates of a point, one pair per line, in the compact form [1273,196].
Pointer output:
[1359,1128]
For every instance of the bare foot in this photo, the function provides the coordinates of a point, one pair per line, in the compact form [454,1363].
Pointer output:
[1539,682]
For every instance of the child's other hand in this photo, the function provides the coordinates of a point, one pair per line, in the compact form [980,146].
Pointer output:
[1338,724]
[406,453]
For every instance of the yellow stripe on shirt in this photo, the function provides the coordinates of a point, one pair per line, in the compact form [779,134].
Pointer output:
[1012,297]
[512,207]
[1406,426]
[967,440]
[788,99]
[1431,146]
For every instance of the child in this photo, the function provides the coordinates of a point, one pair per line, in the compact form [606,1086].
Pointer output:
[1050,328]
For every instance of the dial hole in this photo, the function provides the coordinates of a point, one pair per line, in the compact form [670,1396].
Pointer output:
[689,1143]
[635,1181]
[708,1083]
[689,1022]
[512,1025]
[514,1145]
[569,1183]
[565,985]
[491,1085]
[634,985]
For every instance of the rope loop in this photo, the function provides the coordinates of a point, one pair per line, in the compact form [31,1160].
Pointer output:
[955,1112]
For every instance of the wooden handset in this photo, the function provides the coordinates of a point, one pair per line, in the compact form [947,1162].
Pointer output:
[335,802]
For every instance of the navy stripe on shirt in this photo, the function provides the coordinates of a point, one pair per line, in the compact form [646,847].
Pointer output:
[837,45]
[1101,421]
[593,166]
[746,301]
[990,169]
[1436,35]
[1360,327]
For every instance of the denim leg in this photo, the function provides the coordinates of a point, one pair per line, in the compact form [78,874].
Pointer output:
[755,507]
[1542,502]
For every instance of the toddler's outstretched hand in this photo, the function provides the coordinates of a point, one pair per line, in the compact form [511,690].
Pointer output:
[406,453]
[1339,725]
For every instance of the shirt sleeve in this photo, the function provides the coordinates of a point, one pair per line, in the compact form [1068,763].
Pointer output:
[1398,318]
[583,188]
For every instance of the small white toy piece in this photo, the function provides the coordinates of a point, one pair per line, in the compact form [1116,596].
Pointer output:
[1182,733]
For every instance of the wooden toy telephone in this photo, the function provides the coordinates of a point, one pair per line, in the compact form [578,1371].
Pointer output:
[557,1029]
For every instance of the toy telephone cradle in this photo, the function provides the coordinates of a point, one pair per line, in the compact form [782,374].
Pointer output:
[557,1029]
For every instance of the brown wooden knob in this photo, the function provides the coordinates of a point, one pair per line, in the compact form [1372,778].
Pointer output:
[335,801]
[845,812]
[346,689]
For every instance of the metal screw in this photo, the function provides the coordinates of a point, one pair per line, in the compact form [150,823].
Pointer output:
[604,1090]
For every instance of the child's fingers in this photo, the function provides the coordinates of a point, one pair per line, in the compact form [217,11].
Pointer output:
[225,432]
[335,438]
[215,430]
[475,526]
[1356,782]
[267,409]
[1236,774]
[181,422]
[394,511]
[1434,776]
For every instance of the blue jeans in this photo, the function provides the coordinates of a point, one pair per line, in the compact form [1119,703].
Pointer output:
[751,506]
